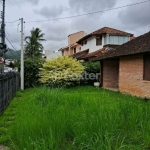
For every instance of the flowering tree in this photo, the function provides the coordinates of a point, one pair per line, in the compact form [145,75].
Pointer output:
[61,71]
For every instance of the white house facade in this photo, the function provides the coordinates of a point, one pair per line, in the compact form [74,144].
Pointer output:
[91,44]
[105,36]
[52,54]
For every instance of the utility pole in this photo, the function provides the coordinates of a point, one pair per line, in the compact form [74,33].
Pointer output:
[22,56]
[3,36]
[3,24]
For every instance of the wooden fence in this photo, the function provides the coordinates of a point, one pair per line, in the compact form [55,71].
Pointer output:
[9,84]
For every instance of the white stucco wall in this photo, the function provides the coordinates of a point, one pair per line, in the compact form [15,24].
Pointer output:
[107,39]
[91,44]
[53,55]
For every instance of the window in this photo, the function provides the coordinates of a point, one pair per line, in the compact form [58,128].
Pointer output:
[79,48]
[84,43]
[74,50]
[98,41]
[62,53]
[147,67]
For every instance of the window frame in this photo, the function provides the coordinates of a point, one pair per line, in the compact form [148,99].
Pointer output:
[74,50]
[98,38]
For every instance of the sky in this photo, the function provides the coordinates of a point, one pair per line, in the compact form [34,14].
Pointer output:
[133,19]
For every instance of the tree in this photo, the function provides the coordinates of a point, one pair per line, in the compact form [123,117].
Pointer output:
[33,47]
[31,71]
[61,71]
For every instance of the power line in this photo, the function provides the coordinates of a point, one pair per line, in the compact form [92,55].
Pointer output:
[12,45]
[100,11]
[8,35]
[13,21]
[80,15]
[10,21]
[12,53]
[11,50]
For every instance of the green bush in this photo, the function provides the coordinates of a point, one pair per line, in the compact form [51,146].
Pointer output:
[31,72]
[62,71]
[90,67]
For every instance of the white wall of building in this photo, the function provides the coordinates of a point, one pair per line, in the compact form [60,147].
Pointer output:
[107,39]
[50,54]
[91,44]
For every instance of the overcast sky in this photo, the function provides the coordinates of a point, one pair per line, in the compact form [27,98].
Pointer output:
[134,19]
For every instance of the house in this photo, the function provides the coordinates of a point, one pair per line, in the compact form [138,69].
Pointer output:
[72,47]
[104,36]
[52,54]
[102,40]
[127,67]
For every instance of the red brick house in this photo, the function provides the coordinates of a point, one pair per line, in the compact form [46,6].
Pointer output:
[127,67]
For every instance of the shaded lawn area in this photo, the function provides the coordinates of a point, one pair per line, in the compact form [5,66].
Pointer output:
[80,118]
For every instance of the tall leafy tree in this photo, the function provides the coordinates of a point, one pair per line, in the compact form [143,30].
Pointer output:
[33,47]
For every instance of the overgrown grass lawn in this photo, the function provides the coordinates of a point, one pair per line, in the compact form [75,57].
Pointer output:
[81,118]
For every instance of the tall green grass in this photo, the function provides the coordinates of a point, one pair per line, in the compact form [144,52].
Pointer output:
[81,118]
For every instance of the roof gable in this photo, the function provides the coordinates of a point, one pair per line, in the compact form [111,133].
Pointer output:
[107,30]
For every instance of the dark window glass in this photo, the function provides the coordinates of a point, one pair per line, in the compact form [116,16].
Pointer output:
[74,50]
[147,67]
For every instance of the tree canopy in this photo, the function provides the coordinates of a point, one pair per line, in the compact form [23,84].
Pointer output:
[61,71]
[33,47]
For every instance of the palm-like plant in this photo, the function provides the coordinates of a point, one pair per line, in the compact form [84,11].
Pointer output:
[33,47]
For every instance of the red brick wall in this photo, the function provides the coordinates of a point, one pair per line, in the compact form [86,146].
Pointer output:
[110,73]
[131,76]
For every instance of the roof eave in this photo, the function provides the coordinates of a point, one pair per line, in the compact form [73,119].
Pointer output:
[113,57]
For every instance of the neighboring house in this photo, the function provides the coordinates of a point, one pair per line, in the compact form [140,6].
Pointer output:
[101,41]
[72,47]
[8,61]
[52,54]
[127,68]
[104,36]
